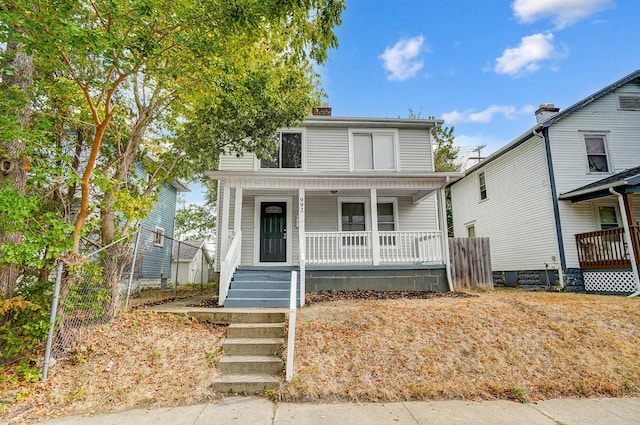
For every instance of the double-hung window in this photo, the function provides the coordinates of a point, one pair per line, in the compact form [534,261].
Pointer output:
[596,153]
[158,236]
[482,183]
[608,218]
[373,150]
[287,153]
[353,219]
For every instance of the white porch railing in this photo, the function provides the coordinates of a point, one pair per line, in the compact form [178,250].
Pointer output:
[291,337]
[228,266]
[356,247]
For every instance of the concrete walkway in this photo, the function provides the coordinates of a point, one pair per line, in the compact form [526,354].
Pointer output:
[257,411]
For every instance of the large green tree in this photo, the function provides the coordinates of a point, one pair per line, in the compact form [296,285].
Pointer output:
[173,77]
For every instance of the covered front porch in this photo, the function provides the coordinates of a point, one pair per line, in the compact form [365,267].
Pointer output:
[609,256]
[334,225]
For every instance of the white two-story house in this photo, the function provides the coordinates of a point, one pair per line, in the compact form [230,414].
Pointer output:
[349,203]
[561,203]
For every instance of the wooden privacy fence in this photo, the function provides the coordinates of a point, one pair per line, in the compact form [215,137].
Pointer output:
[471,263]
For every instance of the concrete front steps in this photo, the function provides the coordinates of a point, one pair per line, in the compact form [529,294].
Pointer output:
[250,364]
[260,286]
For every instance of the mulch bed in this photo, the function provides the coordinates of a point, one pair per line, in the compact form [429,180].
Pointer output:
[358,294]
[361,294]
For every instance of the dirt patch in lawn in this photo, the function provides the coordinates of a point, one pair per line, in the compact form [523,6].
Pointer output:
[492,345]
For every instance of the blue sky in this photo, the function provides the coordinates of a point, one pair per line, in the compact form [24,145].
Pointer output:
[482,66]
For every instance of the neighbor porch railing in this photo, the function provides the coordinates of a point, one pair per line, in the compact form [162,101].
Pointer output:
[228,266]
[327,248]
[606,249]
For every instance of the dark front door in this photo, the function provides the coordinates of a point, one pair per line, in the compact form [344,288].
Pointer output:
[273,232]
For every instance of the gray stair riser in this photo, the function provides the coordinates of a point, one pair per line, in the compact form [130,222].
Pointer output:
[262,276]
[258,302]
[262,332]
[260,284]
[262,293]
[251,349]
[267,368]
[222,316]
[243,387]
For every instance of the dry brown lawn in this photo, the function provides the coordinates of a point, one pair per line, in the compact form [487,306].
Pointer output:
[499,345]
[496,345]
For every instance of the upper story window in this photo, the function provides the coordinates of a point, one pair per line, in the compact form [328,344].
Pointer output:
[596,147]
[158,236]
[482,183]
[373,150]
[288,151]
[629,102]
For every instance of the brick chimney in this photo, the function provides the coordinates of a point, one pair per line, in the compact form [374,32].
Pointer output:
[546,111]
[322,111]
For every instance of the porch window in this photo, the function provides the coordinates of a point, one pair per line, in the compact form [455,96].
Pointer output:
[483,185]
[596,154]
[608,218]
[373,151]
[386,222]
[353,220]
[287,153]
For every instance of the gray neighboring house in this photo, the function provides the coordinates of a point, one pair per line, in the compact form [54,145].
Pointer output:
[561,202]
[191,262]
[153,263]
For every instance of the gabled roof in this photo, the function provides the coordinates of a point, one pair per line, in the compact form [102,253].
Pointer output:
[627,180]
[536,130]
[635,75]
[187,250]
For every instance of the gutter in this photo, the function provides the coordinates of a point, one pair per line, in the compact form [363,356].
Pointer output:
[627,237]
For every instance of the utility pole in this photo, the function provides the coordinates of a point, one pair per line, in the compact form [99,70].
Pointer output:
[478,150]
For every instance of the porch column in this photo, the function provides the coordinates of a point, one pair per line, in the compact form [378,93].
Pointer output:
[224,226]
[375,238]
[444,235]
[628,240]
[237,212]
[302,245]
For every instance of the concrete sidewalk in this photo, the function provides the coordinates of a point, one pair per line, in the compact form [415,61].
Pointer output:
[257,411]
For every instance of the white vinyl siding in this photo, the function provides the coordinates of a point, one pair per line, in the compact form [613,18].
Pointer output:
[327,150]
[600,117]
[233,163]
[414,151]
[518,216]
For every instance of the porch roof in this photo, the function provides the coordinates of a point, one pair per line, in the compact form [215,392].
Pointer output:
[416,185]
[627,181]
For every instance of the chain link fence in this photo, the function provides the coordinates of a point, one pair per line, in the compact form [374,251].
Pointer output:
[92,292]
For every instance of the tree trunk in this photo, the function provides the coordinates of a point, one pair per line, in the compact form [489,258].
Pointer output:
[14,161]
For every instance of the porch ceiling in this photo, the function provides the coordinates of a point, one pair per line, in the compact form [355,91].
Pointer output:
[336,193]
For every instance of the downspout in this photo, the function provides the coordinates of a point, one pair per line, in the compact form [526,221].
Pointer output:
[556,207]
[445,233]
[627,237]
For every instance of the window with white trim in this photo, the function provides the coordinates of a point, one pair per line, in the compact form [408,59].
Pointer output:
[596,147]
[287,153]
[482,184]
[373,150]
[387,222]
[158,236]
[608,217]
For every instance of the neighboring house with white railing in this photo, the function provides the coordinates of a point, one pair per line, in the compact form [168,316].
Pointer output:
[561,202]
[352,203]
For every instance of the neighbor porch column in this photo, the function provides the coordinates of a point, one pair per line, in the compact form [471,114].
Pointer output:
[224,226]
[237,212]
[302,245]
[375,238]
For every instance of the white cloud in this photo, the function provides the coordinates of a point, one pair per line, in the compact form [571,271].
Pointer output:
[402,61]
[486,116]
[562,12]
[526,58]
